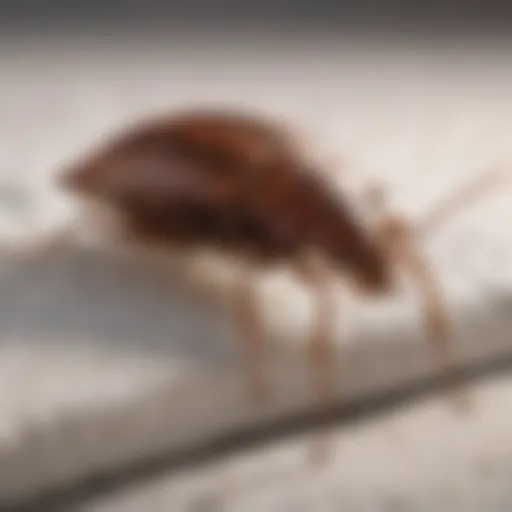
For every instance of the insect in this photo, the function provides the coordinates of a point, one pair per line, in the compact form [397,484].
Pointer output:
[237,182]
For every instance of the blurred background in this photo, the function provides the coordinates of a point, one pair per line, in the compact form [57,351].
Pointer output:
[118,393]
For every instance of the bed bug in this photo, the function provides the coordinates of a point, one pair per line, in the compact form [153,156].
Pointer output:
[238,182]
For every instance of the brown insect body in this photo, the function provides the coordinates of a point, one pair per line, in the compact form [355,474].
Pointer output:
[230,181]
[238,183]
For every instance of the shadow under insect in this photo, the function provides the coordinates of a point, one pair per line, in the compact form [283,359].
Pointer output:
[89,298]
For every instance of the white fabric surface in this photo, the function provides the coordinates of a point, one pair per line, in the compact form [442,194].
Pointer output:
[414,458]
[101,364]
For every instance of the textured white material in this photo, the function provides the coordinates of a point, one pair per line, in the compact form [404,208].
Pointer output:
[423,457]
[102,362]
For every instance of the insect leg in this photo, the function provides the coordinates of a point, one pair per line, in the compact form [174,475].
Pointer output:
[316,272]
[437,323]
[252,330]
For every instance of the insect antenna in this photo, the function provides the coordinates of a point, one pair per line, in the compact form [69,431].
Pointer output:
[458,200]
